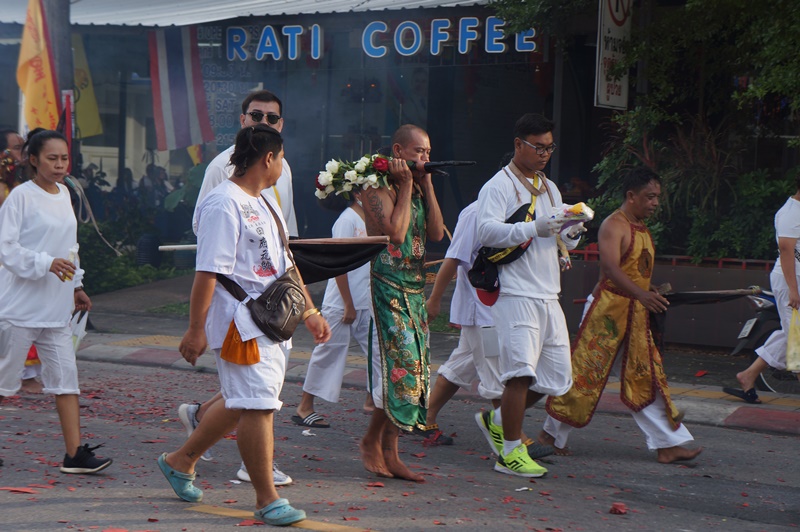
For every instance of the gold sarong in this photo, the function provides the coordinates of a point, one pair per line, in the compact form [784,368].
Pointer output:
[616,323]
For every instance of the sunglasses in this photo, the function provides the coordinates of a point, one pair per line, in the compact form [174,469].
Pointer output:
[258,116]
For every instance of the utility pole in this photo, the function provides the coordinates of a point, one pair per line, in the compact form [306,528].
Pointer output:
[57,13]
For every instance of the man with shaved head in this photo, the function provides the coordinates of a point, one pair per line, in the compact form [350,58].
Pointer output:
[408,213]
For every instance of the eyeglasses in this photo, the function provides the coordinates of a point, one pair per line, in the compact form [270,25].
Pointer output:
[541,150]
[258,116]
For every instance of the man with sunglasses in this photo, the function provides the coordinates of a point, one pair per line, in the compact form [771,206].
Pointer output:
[532,331]
[259,107]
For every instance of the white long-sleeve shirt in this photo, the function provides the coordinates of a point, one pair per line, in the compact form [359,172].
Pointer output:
[465,307]
[220,169]
[536,273]
[35,228]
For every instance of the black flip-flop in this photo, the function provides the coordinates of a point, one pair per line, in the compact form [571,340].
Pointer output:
[750,396]
[312,420]
[536,450]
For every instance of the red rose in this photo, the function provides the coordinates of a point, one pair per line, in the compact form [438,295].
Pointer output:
[380,164]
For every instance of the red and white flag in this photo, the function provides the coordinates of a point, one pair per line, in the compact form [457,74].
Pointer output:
[179,100]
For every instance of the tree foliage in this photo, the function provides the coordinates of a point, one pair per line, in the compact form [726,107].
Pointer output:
[721,83]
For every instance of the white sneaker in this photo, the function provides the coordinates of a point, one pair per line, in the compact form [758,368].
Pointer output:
[187,413]
[279,478]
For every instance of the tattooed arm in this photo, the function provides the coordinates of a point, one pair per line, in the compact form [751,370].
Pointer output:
[388,212]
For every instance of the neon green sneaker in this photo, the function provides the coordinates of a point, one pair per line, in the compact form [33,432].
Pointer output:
[519,463]
[493,433]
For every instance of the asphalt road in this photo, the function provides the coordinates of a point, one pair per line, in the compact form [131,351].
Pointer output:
[743,480]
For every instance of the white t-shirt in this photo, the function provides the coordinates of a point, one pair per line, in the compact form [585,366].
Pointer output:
[220,169]
[35,228]
[349,225]
[241,242]
[465,307]
[536,273]
[787,225]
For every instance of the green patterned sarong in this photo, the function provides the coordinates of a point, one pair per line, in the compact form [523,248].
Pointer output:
[398,297]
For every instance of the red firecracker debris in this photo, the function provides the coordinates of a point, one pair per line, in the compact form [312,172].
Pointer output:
[618,508]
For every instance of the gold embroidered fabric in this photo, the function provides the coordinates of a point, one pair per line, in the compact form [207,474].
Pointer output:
[616,324]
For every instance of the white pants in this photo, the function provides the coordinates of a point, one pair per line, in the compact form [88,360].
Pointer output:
[31,372]
[470,360]
[329,360]
[534,342]
[256,386]
[54,344]
[652,419]
[774,349]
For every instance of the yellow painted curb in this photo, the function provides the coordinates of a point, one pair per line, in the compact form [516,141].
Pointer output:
[306,524]
[156,340]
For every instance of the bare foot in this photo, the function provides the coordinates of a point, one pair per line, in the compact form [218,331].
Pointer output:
[545,439]
[745,381]
[31,386]
[369,404]
[372,457]
[669,455]
[399,469]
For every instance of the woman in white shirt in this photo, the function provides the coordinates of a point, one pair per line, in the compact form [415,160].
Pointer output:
[237,236]
[784,281]
[40,285]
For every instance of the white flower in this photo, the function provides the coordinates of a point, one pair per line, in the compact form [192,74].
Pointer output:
[321,194]
[361,179]
[347,187]
[329,189]
[332,166]
[364,160]
[372,180]
[360,166]
[351,176]
[325,178]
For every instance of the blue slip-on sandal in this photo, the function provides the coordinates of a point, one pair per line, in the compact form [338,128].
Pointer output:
[279,513]
[181,482]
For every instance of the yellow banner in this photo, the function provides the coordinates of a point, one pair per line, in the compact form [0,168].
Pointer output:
[35,72]
[87,115]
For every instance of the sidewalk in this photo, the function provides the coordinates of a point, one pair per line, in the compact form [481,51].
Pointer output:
[128,333]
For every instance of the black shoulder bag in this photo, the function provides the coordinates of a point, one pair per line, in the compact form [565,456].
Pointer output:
[279,310]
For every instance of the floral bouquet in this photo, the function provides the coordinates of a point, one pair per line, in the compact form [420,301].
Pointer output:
[340,177]
[8,168]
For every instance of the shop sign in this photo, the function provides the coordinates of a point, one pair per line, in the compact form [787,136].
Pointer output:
[407,39]
[614,29]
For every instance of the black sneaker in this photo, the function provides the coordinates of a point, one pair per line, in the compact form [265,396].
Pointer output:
[432,435]
[84,461]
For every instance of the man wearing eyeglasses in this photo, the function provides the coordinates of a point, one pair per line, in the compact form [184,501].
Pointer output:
[260,107]
[532,331]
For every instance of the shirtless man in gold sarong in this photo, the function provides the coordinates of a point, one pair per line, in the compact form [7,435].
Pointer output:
[615,334]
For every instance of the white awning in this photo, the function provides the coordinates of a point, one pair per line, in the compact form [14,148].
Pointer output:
[183,12]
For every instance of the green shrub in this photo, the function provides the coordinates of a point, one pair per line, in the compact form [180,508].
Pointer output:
[105,270]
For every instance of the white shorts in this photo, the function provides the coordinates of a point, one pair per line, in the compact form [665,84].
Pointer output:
[468,362]
[534,342]
[257,386]
[774,349]
[56,351]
